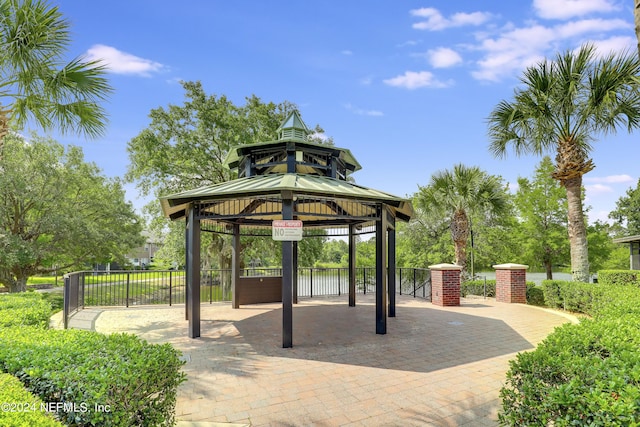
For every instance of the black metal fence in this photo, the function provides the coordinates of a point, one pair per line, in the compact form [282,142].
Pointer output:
[73,297]
[142,287]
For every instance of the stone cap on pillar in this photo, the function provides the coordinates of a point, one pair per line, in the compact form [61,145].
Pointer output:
[510,266]
[445,266]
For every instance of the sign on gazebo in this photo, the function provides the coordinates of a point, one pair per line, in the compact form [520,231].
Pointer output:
[286,230]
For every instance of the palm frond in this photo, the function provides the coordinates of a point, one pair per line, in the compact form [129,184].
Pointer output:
[35,83]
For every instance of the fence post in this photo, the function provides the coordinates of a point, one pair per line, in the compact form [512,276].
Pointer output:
[170,288]
[82,286]
[126,301]
[338,282]
[484,292]
[65,312]
[311,282]
[400,274]
[364,278]
[414,284]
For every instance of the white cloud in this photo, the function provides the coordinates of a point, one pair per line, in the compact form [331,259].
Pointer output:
[434,21]
[611,179]
[602,216]
[347,52]
[318,135]
[502,52]
[514,49]
[119,62]
[362,112]
[415,80]
[615,44]
[564,9]
[366,80]
[443,57]
[175,80]
[595,189]
[586,26]
[410,43]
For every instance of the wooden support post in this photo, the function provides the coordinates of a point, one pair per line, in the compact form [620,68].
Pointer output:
[295,272]
[352,265]
[186,263]
[235,267]
[381,271]
[392,268]
[287,276]
[193,268]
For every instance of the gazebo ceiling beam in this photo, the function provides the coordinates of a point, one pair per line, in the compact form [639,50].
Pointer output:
[251,207]
[260,218]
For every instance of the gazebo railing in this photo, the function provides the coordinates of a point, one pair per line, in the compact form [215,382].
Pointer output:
[143,287]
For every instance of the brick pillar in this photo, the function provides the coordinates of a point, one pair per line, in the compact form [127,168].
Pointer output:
[445,284]
[511,283]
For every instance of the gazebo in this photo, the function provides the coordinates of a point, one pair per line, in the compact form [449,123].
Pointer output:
[285,190]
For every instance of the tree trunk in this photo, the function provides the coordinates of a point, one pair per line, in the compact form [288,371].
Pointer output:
[460,236]
[548,269]
[547,262]
[18,285]
[636,15]
[577,230]
[4,128]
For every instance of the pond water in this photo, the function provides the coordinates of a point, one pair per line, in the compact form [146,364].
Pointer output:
[531,277]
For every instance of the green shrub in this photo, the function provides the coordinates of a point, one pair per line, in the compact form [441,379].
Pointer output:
[535,296]
[135,380]
[24,309]
[618,302]
[585,374]
[21,408]
[477,287]
[551,293]
[577,297]
[619,277]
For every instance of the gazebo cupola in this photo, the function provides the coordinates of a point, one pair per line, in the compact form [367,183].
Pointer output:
[292,152]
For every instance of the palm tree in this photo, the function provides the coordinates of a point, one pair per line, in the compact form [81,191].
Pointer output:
[459,194]
[35,85]
[562,107]
[636,16]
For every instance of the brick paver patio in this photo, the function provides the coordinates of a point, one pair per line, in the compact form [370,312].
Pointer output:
[435,366]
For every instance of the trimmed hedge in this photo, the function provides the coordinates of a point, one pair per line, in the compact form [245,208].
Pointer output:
[134,381]
[577,297]
[21,408]
[535,295]
[619,277]
[586,374]
[24,309]
[477,287]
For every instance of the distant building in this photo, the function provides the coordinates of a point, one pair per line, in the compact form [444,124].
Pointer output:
[142,256]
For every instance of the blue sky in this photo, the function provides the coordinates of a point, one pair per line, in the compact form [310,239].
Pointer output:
[405,85]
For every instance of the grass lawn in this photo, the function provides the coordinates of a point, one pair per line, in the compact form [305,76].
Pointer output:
[46,280]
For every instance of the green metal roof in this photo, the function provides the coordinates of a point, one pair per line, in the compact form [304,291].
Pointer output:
[174,205]
[630,239]
[236,154]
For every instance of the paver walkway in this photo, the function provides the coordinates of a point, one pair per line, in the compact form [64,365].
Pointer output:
[434,367]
